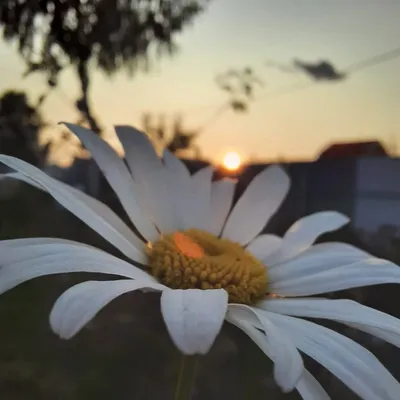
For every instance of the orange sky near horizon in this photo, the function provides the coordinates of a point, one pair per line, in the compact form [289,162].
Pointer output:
[235,33]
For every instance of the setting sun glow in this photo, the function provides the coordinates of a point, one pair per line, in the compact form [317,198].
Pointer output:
[232,161]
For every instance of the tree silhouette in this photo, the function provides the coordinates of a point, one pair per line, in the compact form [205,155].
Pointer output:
[240,84]
[173,136]
[20,125]
[108,34]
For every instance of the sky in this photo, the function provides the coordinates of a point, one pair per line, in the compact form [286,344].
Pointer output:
[239,33]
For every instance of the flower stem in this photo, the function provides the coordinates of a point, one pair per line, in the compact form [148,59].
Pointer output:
[186,378]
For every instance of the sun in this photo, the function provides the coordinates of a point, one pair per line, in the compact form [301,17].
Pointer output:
[232,161]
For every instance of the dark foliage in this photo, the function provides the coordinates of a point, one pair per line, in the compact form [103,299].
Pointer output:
[110,34]
[20,124]
[240,85]
[176,138]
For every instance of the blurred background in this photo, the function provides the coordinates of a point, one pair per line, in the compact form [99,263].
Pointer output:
[312,85]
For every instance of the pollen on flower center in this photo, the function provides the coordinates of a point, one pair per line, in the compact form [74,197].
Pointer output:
[198,259]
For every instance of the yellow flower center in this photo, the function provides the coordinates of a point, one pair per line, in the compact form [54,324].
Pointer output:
[197,259]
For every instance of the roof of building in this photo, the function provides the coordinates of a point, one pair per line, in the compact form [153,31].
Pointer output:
[355,149]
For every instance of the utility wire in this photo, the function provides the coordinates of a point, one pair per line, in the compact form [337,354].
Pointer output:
[215,116]
[289,89]
[375,60]
[360,65]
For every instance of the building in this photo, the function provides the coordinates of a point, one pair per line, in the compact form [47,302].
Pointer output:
[355,149]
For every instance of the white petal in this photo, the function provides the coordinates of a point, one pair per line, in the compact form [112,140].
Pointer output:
[140,154]
[354,365]
[52,259]
[180,188]
[221,201]
[16,250]
[94,213]
[130,245]
[119,178]
[149,175]
[200,199]
[26,242]
[257,205]
[310,389]
[303,233]
[323,257]
[345,311]
[79,304]
[100,208]
[23,178]
[288,364]
[383,334]
[372,271]
[263,246]
[194,317]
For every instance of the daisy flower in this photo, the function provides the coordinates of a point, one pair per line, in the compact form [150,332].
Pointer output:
[211,263]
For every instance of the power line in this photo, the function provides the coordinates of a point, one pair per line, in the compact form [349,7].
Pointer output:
[64,98]
[289,89]
[282,91]
[375,60]
[360,65]
[218,112]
